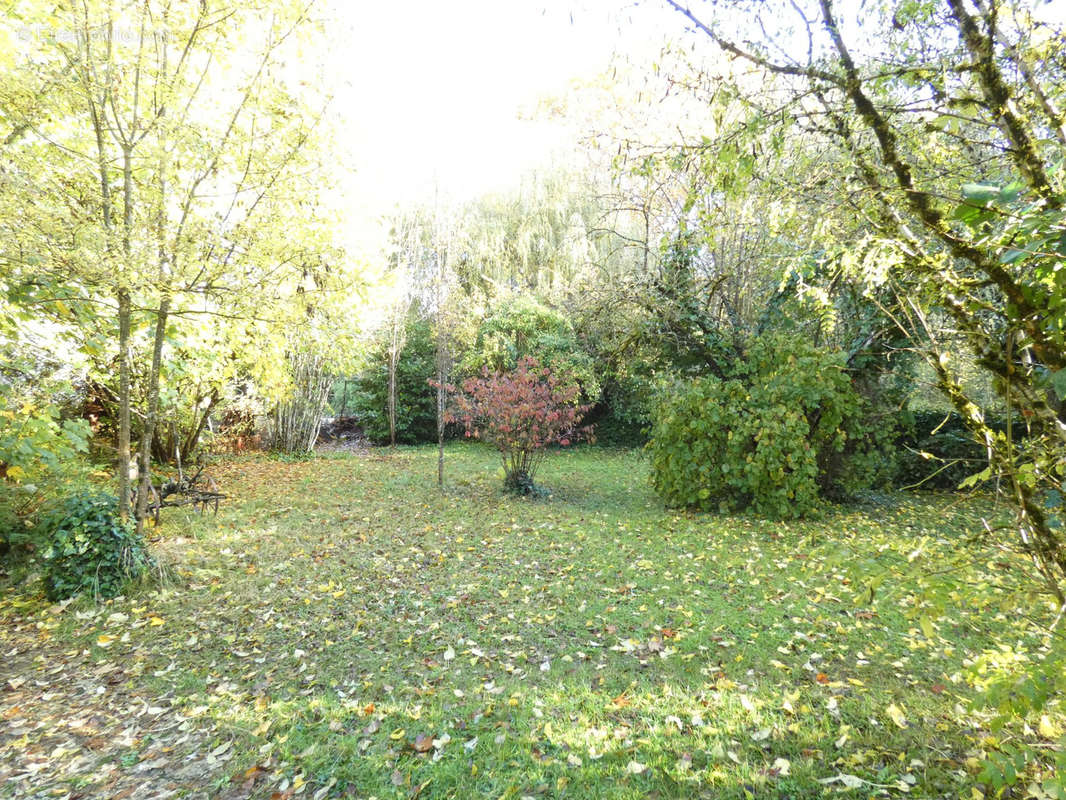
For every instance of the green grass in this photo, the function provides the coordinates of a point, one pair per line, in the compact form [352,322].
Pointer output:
[591,644]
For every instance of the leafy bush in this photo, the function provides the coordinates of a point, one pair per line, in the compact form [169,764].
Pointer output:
[520,413]
[521,327]
[768,439]
[89,549]
[37,451]
[622,417]
[416,404]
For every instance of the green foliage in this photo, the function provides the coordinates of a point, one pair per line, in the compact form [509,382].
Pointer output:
[37,450]
[766,439]
[622,417]
[521,327]
[89,549]
[1015,684]
[937,450]
[416,410]
[34,441]
[683,327]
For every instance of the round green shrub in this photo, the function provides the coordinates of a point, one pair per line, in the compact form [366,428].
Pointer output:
[768,439]
[89,548]
[521,327]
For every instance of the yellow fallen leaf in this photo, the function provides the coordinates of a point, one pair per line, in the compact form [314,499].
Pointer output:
[1047,728]
[155,621]
[103,640]
[897,716]
[927,627]
[397,734]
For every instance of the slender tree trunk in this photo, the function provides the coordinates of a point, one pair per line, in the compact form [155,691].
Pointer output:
[194,433]
[96,113]
[124,319]
[443,365]
[124,403]
[441,377]
[153,411]
[392,392]
[397,341]
[162,314]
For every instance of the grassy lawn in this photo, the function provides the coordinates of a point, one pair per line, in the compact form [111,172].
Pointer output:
[344,630]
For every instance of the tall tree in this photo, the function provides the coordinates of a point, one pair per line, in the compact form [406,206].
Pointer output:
[948,131]
[189,158]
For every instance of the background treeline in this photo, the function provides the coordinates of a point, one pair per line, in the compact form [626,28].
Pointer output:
[173,285]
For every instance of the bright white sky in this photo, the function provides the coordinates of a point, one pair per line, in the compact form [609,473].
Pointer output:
[431,92]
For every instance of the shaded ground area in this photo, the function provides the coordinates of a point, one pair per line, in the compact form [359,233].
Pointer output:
[344,630]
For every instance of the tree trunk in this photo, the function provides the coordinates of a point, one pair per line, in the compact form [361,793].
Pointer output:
[392,394]
[193,438]
[441,377]
[123,403]
[124,315]
[153,412]
[298,420]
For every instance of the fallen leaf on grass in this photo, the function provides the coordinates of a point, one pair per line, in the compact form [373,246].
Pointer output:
[251,773]
[897,716]
[850,781]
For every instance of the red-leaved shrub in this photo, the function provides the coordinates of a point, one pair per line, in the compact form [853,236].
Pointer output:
[520,413]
